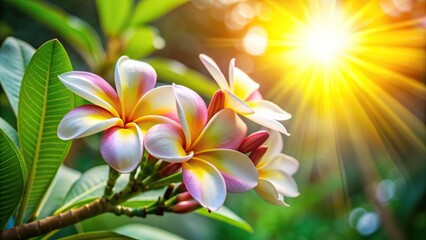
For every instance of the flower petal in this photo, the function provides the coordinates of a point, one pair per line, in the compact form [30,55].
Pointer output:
[282,181]
[237,169]
[236,104]
[269,109]
[92,88]
[166,142]
[147,122]
[214,70]
[192,112]
[224,130]
[267,122]
[205,183]
[122,148]
[231,74]
[157,101]
[132,80]
[283,163]
[243,86]
[86,120]
[267,191]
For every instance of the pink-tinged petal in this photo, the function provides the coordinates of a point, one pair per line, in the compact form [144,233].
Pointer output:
[122,148]
[275,147]
[267,191]
[214,70]
[147,122]
[192,112]
[282,181]
[269,109]
[236,104]
[283,163]
[205,183]
[132,80]
[158,101]
[166,142]
[86,120]
[267,122]
[224,130]
[243,85]
[231,74]
[92,88]
[256,95]
[237,169]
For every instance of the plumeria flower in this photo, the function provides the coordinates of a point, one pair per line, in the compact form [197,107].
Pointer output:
[275,172]
[206,149]
[242,95]
[124,116]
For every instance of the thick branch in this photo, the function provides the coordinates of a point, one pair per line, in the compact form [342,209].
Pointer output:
[48,224]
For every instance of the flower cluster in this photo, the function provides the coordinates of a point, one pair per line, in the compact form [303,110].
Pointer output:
[173,124]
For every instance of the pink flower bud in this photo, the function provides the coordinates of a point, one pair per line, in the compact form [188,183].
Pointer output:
[183,197]
[257,154]
[216,104]
[253,141]
[185,207]
[170,169]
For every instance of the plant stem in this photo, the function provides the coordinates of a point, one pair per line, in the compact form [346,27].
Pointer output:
[48,224]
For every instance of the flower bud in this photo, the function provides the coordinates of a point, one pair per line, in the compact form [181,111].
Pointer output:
[257,154]
[216,104]
[253,141]
[186,196]
[170,169]
[185,207]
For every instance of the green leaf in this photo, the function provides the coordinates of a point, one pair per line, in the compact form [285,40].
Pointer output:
[175,72]
[114,15]
[14,58]
[89,187]
[96,235]
[12,177]
[77,32]
[142,41]
[149,10]
[43,101]
[140,231]
[10,131]
[227,216]
[64,179]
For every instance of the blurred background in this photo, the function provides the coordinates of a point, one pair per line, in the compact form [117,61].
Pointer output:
[352,74]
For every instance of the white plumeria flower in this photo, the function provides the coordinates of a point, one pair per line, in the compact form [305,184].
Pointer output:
[276,172]
[124,115]
[242,95]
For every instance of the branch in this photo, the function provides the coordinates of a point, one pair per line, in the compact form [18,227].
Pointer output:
[36,228]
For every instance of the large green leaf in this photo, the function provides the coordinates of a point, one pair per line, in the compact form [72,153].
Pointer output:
[100,235]
[64,179]
[140,231]
[10,131]
[142,41]
[114,15]
[77,32]
[227,216]
[149,10]
[43,101]
[175,72]
[12,177]
[14,58]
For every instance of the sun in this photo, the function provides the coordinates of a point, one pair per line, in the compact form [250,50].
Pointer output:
[345,70]
[324,43]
